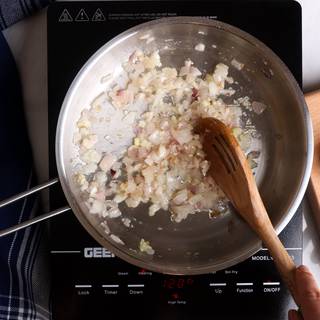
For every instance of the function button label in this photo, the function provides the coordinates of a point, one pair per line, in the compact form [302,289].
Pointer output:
[244,287]
[244,290]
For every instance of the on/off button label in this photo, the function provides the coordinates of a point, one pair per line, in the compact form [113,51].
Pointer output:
[271,287]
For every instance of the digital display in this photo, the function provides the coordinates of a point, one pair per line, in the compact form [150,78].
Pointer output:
[177,283]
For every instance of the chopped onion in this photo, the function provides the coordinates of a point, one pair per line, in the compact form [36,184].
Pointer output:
[97,207]
[258,107]
[182,136]
[145,246]
[181,212]
[180,197]
[200,47]
[113,213]
[91,156]
[238,65]
[153,209]
[165,165]
[107,161]
[116,239]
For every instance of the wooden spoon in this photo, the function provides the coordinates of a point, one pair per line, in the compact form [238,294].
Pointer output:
[231,171]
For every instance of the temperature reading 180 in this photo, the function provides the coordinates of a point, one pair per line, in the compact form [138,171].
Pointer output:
[177,283]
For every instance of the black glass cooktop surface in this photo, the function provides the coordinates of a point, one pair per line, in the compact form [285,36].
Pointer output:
[88,281]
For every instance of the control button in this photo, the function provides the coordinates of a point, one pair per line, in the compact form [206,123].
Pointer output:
[110,289]
[220,284]
[136,289]
[110,286]
[122,273]
[244,287]
[271,287]
[83,289]
[269,283]
[135,285]
[218,287]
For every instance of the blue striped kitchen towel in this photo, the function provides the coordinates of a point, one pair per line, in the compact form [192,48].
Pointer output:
[24,274]
[13,10]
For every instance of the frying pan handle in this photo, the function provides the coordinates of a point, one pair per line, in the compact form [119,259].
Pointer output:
[30,222]
[28,192]
[36,219]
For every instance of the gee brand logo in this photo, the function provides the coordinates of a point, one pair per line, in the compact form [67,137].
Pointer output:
[97,252]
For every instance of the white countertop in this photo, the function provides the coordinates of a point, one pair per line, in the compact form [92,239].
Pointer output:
[311,44]
[27,40]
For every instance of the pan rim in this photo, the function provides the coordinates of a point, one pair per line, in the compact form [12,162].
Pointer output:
[292,84]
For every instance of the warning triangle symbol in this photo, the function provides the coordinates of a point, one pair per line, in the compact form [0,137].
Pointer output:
[82,16]
[98,16]
[65,16]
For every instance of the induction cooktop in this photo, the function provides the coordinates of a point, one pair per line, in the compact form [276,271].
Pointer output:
[89,282]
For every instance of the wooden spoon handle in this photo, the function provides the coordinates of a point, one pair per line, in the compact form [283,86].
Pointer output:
[281,258]
[261,224]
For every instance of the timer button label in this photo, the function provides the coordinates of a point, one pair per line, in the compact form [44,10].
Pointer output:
[110,289]
[110,292]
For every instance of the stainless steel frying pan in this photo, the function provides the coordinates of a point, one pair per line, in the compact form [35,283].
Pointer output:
[196,245]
